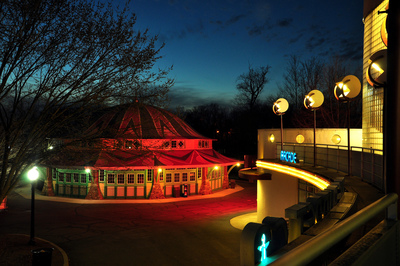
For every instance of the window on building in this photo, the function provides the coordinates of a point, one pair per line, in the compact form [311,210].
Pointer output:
[181,144]
[149,175]
[140,178]
[61,177]
[166,144]
[76,178]
[54,173]
[168,178]
[173,144]
[110,178]
[68,177]
[131,178]
[184,177]
[177,177]
[121,179]
[192,176]
[199,173]
[161,176]
[101,176]
[83,178]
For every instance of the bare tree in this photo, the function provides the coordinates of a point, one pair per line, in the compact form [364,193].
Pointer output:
[300,78]
[292,81]
[59,58]
[303,76]
[250,85]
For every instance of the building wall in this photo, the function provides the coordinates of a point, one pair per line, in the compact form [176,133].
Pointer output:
[324,136]
[133,184]
[275,195]
[372,112]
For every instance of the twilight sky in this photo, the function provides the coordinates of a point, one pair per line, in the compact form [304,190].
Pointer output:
[211,42]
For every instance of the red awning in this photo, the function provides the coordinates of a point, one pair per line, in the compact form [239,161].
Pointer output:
[139,159]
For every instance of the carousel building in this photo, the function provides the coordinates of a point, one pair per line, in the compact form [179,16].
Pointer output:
[136,151]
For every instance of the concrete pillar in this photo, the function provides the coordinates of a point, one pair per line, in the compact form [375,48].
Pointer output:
[391,138]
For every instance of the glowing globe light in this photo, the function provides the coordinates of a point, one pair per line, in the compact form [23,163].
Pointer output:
[280,106]
[376,72]
[313,100]
[33,174]
[348,88]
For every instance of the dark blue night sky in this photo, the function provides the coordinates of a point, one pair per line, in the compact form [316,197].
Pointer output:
[211,42]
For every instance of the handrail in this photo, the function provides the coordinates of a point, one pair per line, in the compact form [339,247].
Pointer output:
[345,147]
[366,163]
[310,250]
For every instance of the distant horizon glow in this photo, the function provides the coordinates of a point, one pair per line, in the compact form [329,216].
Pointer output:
[210,43]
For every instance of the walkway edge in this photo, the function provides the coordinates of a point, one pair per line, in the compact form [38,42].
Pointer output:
[25,192]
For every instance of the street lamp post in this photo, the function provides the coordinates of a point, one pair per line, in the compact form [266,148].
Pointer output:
[211,171]
[230,169]
[345,91]
[280,107]
[313,101]
[33,175]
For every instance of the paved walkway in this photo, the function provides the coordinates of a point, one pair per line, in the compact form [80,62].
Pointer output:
[110,232]
[26,193]
[15,246]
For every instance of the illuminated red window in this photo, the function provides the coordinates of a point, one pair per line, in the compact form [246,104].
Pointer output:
[140,178]
[192,176]
[131,178]
[176,177]
[184,177]
[168,178]
[121,179]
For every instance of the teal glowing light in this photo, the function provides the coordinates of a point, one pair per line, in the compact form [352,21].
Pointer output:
[263,248]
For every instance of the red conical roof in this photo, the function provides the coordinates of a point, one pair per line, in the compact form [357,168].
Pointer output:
[139,121]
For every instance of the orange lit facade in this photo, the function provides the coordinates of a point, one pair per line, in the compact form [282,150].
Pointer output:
[372,112]
[136,151]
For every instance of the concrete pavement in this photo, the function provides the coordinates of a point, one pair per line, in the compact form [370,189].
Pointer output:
[195,230]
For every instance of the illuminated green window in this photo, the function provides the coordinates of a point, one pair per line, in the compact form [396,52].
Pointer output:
[110,178]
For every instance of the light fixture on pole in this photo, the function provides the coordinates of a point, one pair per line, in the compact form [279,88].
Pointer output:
[211,171]
[280,107]
[313,101]
[33,175]
[345,91]
[377,69]
[230,169]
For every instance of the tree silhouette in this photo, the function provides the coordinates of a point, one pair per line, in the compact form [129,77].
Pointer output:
[58,60]
[250,85]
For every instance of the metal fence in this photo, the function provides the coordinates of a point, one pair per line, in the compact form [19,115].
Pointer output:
[366,163]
